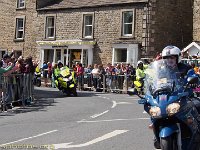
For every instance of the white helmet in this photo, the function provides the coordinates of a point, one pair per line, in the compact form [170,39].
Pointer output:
[172,51]
[139,62]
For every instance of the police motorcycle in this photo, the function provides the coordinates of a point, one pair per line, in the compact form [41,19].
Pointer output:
[66,82]
[37,79]
[167,99]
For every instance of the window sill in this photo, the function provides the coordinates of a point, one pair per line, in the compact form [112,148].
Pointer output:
[21,8]
[49,39]
[126,37]
[87,38]
[18,40]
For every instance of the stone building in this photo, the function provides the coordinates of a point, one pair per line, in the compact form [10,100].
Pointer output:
[94,31]
[17,19]
[154,24]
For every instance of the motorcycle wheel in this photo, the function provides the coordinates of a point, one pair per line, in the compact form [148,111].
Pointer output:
[38,83]
[75,92]
[169,143]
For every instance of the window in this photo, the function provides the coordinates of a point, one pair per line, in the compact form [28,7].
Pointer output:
[120,55]
[50,27]
[87,26]
[127,23]
[20,3]
[19,33]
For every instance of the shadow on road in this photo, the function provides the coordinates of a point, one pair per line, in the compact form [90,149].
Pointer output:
[43,98]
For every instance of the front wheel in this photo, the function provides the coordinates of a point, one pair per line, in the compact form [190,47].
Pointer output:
[169,143]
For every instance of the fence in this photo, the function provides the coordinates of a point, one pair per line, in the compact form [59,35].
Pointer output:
[105,83]
[16,89]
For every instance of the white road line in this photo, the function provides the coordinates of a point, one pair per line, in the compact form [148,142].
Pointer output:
[114,104]
[144,112]
[85,121]
[97,115]
[29,138]
[99,139]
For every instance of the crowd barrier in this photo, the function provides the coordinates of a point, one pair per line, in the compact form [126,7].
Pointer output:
[16,89]
[105,82]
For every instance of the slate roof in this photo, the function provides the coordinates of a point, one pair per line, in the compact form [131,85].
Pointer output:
[67,4]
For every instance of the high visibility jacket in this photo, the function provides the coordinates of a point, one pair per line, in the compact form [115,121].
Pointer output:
[57,72]
[139,74]
[37,69]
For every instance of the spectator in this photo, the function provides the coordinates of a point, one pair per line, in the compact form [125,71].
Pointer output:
[88,71]
[49,70]
[80,73]
[45,72]
[95,74]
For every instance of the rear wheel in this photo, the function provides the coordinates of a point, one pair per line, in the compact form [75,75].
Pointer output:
[169,143]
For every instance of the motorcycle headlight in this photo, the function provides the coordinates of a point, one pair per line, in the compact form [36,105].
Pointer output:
[155,111]
[173,108]
[70,78]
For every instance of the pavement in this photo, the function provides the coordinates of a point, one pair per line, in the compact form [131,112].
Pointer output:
[91,121]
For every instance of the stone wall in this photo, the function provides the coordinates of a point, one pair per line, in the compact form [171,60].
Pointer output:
[196,21]
[171,24]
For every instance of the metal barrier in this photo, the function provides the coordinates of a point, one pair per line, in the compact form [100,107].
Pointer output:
[16,89]
[106,82]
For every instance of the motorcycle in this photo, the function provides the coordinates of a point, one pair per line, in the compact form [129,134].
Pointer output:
[137,87]
[66,82]
[37,79]
[169,101]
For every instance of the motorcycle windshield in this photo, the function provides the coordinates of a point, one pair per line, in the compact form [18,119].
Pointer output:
[65,71]
[161,75]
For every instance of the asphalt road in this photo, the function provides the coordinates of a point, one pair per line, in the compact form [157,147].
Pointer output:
[91,121]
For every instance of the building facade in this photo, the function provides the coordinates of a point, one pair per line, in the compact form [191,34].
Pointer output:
[17,25]
[196,21]
[94,32]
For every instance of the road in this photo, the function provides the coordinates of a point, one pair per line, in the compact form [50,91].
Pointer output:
[91,121]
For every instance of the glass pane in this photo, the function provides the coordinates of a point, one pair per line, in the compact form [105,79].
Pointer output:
[88,31]
[21,5]
[58,55]
[128,29]
[50,21]
[50,32]
[120,55]
[88,20]
[20,23]
[20,34]
[128,17]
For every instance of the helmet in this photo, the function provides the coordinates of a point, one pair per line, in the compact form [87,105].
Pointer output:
[172,51]
[60,63]
[139,62]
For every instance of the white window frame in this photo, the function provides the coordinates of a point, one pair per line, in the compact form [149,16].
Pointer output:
[17,30]
[123,23]
[19,2]
[91,25]
[49,27]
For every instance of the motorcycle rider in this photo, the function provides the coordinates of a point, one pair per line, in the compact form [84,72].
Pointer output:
[57,73]
[172,54]
[140,74]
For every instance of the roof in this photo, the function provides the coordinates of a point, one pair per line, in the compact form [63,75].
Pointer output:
[196,44]
[67,4]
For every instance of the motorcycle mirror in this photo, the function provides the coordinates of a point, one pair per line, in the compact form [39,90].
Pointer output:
[142,101]
[192,80]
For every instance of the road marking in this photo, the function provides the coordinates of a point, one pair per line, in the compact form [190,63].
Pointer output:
[85,121]
[99,139]
[29,138]
[97,115]
[144,112]
[114,104]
